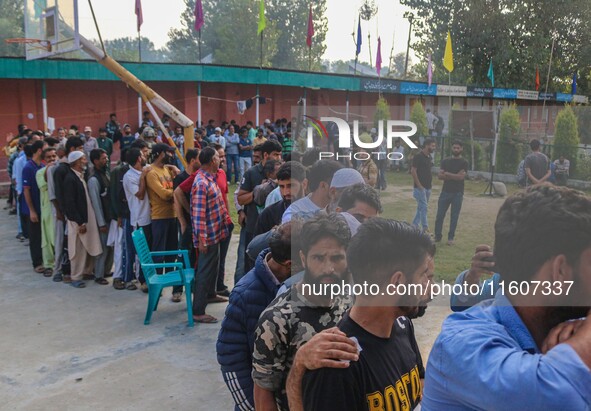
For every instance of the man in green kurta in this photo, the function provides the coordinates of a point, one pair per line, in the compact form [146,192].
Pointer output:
[49,158]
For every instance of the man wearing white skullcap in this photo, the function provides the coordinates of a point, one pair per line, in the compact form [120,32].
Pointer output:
[83,235]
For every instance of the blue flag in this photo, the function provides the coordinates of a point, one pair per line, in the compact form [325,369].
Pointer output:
[358,37]
[574,87]
[491,73]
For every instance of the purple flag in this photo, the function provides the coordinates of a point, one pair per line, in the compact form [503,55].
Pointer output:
[199,20]
[429,71]
[138,13]
[379,57]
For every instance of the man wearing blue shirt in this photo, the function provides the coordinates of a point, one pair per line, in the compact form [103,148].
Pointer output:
[503,353]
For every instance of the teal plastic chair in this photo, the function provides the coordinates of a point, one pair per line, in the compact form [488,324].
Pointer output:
[183,274]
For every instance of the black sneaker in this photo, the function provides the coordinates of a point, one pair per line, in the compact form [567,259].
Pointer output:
[224,293]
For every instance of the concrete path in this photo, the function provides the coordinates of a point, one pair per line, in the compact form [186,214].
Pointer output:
[77,349]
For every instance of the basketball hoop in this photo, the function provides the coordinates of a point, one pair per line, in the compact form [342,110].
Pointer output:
[34,43]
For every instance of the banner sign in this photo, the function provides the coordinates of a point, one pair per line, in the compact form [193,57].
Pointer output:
[453,91]
[418,89]
[527,95]
[484,92]
[384,86]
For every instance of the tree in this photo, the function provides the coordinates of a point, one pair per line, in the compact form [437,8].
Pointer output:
[397,66]
[419,117]
[382,113]
[230,33]
[11,26]
[509,152]
[516,35]
[291,20]
[239,44]
[126,49]
[566,136]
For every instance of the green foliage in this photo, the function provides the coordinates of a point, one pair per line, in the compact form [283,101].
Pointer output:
[583,114]
[11,26]
[566,136]
[509,152]
[397,66]
[419,117]
[126,49]
[516,35]
[382,113]
[230,34]
[583,170]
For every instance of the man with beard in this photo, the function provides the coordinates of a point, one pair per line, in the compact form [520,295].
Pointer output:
[84,242]
[422,178]
[293,318]
[292,182]
[100,196]
[386,371]
[453,171]
[159,188]
[249,298]
[503,353]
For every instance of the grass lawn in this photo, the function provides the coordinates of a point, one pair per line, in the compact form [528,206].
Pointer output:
[475,225]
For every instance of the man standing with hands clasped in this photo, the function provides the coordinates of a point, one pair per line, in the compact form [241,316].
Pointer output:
[453,172]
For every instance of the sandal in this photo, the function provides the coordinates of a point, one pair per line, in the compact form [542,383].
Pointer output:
[131,286]
[48,272]
[101,281]
[40,269]
[118,284]
[67,278]
[176,297]
[78,284]
[88,277]
[205,319]
[57,277]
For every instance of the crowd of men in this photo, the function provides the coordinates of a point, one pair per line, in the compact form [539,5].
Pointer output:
[305,221]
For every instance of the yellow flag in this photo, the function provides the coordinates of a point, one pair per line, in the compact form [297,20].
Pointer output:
[448,57]
[262,20]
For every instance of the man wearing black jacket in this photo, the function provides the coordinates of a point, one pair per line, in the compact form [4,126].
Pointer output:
[83,236]
[55,184]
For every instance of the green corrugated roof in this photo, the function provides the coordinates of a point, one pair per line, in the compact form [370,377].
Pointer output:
[90,70]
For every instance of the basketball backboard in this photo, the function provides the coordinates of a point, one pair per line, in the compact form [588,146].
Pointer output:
[55,24]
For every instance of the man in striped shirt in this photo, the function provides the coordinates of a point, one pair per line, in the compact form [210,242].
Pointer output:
[211,225]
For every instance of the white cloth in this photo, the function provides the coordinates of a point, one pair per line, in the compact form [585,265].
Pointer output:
[139,210]
[115,240]
[241,105]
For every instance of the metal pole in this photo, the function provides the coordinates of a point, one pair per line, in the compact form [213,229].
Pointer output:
[257,122]
[199,46]
[139,46]
[408,46]
[199,105]
[44,101]
[139,110]
[548,81]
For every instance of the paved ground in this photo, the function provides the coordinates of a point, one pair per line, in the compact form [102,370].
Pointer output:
[69,349]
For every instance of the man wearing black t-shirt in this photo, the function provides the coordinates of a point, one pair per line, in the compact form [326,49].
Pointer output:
[421,175]
[389,368]
[271,150]
[452,171]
